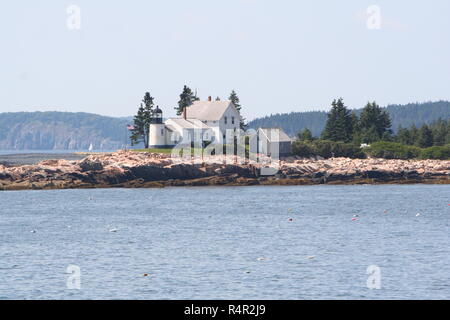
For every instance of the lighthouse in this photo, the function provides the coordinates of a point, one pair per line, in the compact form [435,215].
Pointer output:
[157,132]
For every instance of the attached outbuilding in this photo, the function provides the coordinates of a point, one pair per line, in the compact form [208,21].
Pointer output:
[273,141]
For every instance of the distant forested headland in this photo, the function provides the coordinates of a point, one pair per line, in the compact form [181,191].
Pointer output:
[61,131]
[400,115]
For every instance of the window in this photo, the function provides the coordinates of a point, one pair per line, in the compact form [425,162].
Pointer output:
[162,132]
[226,120]
[232,120]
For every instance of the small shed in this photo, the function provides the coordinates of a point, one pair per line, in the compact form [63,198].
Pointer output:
[272,141]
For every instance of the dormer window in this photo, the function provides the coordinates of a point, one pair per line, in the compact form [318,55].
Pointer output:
[226,120]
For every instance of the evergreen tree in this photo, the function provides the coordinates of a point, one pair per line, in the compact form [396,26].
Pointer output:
[414,135]
[195,97]
[369,135]
[436,134]
[339,126]
[403,136]
[187,97]
[356,135]
[447,138]
[140,132]
[235,99]
[374,123]
[425,138]
[355,122]
[148,107]
[439,130]
[305,135]
[387,136]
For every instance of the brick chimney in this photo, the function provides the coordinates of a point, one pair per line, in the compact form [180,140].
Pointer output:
[209,98]
[184,113]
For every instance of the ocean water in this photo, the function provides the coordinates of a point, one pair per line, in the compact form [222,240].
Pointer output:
[299,242]
[49,152]
[10,152]
[52,151]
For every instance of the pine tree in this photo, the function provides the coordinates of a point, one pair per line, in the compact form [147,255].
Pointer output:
[305,135]
[447,138]
[370,135]
[374,123]
[235,99]
[142,120]
[148,106]
[414,134]
[339,126]
[187,98]
[439,130]
[138,132]
[387,136]
[403,136]
[356,134]
[195,97]
[425,138]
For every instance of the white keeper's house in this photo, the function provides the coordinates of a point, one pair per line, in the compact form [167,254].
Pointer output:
[203,120]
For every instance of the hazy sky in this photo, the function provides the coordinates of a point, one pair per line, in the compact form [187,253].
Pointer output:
[279,56]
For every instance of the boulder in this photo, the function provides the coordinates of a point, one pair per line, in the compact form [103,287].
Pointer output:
[185,171]
[90,165]
[148,173]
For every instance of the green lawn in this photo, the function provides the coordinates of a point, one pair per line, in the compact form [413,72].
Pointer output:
[163,150]
[169,150]
[154,150]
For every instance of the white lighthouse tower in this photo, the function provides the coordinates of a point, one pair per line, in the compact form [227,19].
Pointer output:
[157,134]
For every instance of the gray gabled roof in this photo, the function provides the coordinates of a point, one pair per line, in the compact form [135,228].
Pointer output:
[207,110]
[188,124]
[170,128]
[275,134]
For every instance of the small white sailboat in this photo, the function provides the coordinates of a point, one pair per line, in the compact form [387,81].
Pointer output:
[91,147]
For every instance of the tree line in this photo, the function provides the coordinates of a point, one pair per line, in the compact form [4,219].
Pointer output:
[400,115]
[345,133]
[143,118]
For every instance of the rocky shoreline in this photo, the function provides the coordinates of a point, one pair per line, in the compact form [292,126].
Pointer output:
[126,169]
